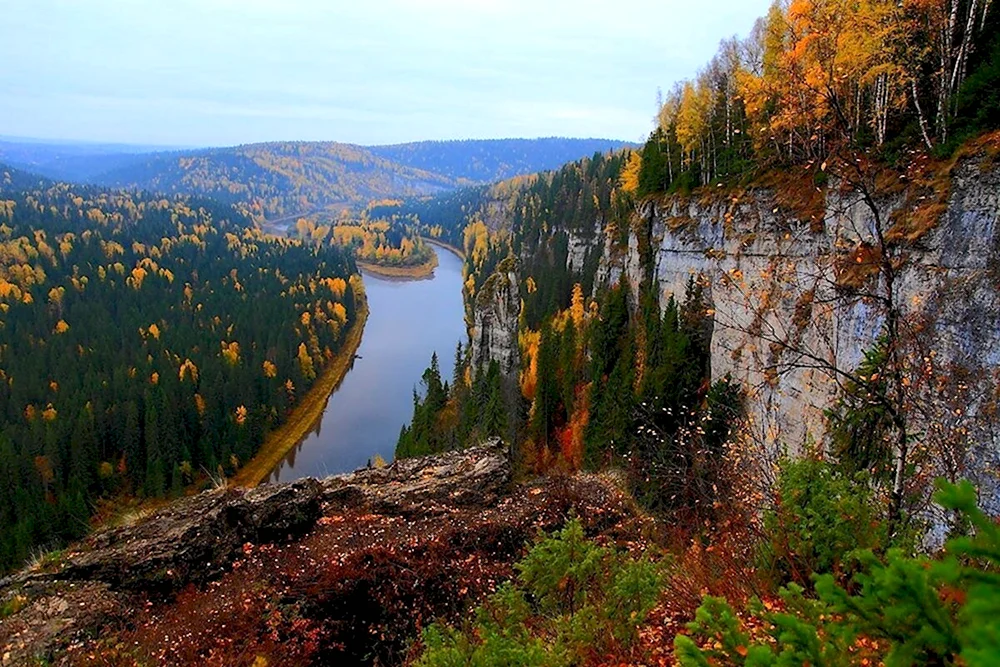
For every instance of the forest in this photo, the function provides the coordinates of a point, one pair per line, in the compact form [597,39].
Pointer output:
[147,344]
[820,85]
[378,236]
[277,180]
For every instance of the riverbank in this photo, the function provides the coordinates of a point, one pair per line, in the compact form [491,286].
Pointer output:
[415,272]
[281,441]
[447,246]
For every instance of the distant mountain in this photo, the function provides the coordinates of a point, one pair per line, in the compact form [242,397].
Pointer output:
[13,179]
[277,180]
[491,160]
[68,161]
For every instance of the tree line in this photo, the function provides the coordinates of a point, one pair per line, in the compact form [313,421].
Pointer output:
[814,75]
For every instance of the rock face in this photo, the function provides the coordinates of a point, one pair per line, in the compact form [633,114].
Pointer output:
[193,539]
[466,477]
[778,285]
[340,571]
[494,328]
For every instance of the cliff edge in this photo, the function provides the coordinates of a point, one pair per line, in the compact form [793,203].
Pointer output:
[343,569]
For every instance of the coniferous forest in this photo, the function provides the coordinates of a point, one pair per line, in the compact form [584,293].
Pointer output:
[146,344]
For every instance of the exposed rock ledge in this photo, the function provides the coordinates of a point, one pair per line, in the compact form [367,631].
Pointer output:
[359,562]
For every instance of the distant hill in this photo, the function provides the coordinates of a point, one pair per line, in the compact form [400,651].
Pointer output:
[78,162]
[277,180]
[491,160]
[271,181]
[13,179]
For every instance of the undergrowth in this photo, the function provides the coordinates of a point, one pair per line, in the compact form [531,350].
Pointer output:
[571,602]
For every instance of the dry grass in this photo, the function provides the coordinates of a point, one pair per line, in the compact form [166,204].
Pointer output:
[282,440]
[855,269]
[796,193]
[928,188]
[925,199]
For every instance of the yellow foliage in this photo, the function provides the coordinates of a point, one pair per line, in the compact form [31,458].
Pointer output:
[270,370]
[61,327]
[231,352]
[630,174]
[576,308]
[188,370]
[529,342]
[305,362]
[340,312]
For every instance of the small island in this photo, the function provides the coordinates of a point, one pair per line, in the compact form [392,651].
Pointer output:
[387,245]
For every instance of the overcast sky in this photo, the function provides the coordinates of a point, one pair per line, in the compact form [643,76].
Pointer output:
[222,72]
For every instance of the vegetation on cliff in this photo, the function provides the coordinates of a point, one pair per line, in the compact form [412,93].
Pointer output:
[850,101]
[817,81]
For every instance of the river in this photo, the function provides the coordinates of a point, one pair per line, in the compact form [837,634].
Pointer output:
[408,320]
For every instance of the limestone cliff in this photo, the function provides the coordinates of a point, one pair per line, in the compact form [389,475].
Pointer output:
[494,328]
[791,296]
[793,282]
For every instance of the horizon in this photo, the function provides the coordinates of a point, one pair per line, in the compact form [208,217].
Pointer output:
[220,73]
[154,148]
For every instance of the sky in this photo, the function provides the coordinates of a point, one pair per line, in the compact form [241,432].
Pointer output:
[225,72]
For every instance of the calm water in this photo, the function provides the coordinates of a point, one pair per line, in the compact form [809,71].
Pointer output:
[408,320]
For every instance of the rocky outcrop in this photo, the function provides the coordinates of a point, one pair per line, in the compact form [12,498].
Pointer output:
[193,539]
[411,486]
[119,572]
[494,328]
[345,570]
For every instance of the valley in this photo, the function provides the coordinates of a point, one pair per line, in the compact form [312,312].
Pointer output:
[725,397]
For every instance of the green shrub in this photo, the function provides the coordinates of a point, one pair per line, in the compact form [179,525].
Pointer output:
[912,610]
[572,599]
[820,515]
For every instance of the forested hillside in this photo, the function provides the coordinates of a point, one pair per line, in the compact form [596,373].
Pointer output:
[146,343]
[268,181]
[277,180]
[603,377]
[379,236]
[17,179]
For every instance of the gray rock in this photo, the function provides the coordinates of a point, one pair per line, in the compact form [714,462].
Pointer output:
[494,328]
[110,575]
[476,476]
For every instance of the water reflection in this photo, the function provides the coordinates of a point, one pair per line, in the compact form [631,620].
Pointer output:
[408,320]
